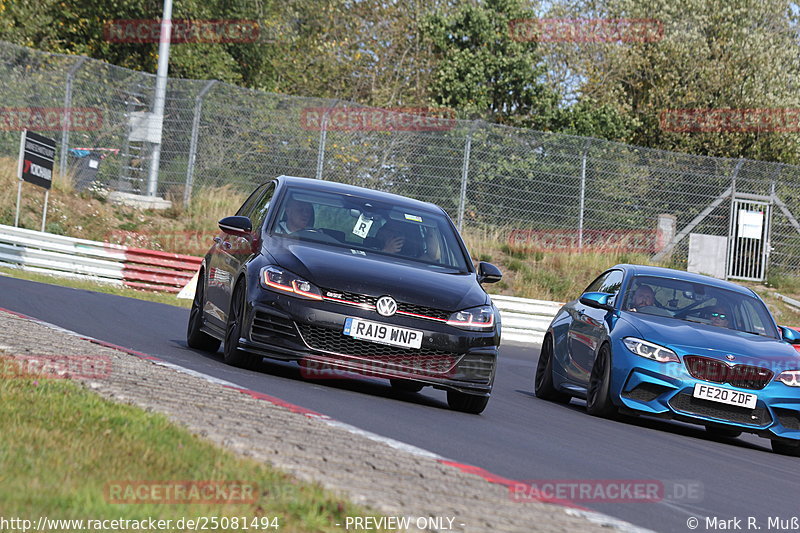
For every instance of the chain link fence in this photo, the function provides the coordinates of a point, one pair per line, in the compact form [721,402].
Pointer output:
[531,189]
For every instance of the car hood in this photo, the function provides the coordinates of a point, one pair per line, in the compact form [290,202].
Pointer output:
[341,269]
[710,341]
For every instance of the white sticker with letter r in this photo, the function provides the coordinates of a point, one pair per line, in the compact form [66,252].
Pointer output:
[363,224]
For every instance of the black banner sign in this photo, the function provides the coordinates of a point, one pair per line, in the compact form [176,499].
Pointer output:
[36,156]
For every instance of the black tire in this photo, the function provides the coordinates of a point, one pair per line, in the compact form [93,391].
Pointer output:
[722,433]
[404,385]
[598,397]
[784,447]
[195,338]
[543,381]
[231,353]
[466,403]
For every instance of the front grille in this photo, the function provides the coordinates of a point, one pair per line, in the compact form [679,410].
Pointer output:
[645,392]
[744,376]
[740,415]
[266,325]
[350,297]
[361,299]
[420,310]
[335,342]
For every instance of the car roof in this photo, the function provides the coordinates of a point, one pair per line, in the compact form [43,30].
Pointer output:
[342,188]
[646,270]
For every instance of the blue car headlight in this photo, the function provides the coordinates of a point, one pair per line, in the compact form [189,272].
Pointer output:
[281,280]
[474,319]
[789,377]
[650,350]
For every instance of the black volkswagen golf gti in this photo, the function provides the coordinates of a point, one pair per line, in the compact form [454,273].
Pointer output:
[348,279]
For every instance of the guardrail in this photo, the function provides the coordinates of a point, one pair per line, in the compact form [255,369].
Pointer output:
[524,319]
[97,261]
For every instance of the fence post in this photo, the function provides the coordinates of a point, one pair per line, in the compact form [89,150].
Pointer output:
[583,194]
[67,116]
[462,201]
[729,251]
[198,109]
[323,137]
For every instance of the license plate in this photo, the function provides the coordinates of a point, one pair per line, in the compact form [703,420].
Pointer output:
[731,397]
[382,333]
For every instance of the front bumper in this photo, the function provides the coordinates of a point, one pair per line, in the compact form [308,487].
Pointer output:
[311,332]
[665,390]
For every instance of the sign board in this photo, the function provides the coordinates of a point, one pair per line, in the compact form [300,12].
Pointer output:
[145,126]
[751,224]
[36,156]
[707,255]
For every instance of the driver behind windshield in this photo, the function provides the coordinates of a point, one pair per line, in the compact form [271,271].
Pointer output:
[297,216]
[643,297]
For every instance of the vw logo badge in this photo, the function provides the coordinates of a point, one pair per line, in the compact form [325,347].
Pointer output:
[730,357]
[386,306]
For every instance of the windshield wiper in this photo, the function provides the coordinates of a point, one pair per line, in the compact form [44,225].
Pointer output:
[754,333]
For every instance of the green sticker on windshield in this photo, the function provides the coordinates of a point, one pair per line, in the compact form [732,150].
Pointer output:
[415,218]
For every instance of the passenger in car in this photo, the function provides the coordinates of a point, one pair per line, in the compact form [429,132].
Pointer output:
[720,316]
[433,250]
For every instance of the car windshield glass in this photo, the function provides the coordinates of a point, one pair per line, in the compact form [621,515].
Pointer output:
[367,226]
[699,303]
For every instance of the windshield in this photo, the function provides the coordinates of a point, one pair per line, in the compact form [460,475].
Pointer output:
[367,226]
[700,303]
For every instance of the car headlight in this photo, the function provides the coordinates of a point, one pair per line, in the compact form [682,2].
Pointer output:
[475,319]
[789,377]
[650,350]
[279,279]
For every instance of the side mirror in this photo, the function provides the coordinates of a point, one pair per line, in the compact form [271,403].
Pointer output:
[598,300]
[792,336]
[239,226]
[488,273]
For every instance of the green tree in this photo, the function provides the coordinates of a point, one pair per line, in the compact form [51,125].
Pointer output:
[481,70]
[714,54]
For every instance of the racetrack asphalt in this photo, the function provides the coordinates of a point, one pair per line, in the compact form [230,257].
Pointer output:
[518,436]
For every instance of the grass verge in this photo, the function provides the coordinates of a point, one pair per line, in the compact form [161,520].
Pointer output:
[61,445]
